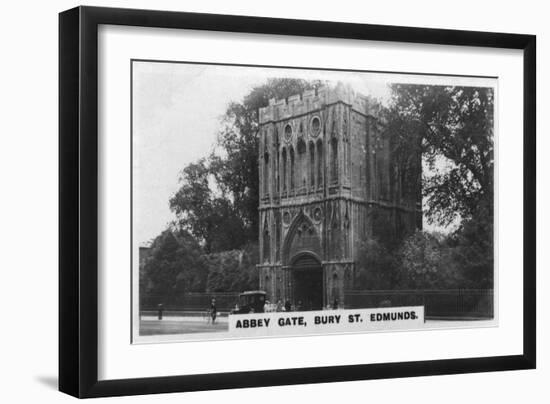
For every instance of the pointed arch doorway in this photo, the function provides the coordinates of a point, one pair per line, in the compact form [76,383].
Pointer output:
[307,282]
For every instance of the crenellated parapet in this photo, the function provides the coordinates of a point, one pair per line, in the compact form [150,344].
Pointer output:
[314,100]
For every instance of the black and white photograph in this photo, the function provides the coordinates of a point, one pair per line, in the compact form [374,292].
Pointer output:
[273,201]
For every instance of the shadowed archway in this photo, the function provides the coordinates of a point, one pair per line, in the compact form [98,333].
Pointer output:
[307,282]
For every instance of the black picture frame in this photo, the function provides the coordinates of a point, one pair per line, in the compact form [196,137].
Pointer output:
[78,200]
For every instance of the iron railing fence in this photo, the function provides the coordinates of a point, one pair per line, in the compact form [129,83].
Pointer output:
[191,301]
[447,303]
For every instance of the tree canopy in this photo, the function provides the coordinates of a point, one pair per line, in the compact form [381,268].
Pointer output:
[453,129]
[212,219]
[174,265]
[375,265]
[177,265]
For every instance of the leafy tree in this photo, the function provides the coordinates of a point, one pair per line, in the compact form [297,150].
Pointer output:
[174,266]
[375,267]
[472,250]
[161,268]
[425,263]
[210,218]
[434,261]
[453,129]
[233,271]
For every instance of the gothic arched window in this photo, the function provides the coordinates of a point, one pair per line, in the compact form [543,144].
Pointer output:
[311,165]
[275,171]
[266,174]
[334,160]
[267,242]
[302,162]
[319,163]
[292,169]
[283,169]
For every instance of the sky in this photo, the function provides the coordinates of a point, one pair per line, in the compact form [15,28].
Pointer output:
[177,108]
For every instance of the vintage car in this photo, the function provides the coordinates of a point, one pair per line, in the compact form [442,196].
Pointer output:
[251,301]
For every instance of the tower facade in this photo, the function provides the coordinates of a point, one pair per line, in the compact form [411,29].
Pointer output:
[328,179]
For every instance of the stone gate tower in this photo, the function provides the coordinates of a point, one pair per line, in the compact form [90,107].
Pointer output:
[327,180]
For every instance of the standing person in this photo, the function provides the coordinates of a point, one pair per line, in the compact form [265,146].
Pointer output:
[335,304]
[213,310]
[288,306]
[160,308]
[280,306]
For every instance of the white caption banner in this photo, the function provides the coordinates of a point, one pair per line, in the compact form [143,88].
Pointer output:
[326,321]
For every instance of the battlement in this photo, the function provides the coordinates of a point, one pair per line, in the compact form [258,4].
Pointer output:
[311,100]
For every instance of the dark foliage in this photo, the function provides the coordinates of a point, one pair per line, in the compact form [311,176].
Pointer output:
[233,270]
[453,129]
[375,266]
[175,265]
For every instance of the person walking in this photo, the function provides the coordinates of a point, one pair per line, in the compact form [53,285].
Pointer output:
[213,310]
